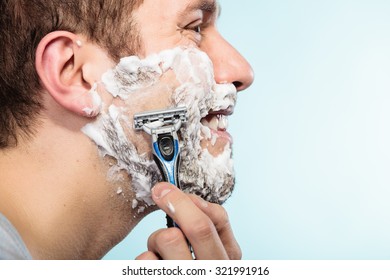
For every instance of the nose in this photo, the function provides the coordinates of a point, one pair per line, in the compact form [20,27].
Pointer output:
[229,65]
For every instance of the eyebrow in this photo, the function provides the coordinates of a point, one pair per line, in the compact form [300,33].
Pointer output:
[205,6]
[208,6]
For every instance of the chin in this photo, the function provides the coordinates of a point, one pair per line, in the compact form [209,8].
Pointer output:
[211,177]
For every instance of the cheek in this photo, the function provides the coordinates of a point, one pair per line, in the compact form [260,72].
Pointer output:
[140,140]
[156,97]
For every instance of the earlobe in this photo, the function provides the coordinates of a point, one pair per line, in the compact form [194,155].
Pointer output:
[59,64]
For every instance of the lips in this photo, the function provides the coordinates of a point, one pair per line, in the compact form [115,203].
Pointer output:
[218,123]
[218,120]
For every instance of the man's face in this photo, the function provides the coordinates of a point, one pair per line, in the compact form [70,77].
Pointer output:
[183,62]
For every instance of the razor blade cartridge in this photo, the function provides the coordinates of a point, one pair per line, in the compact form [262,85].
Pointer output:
[166,117]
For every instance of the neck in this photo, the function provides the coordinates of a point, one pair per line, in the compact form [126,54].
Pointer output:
[55,197]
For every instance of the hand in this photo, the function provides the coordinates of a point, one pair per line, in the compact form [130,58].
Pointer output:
[205,225]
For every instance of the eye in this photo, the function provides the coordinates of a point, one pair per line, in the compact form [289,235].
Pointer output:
[193,31]
[195,26]
[196,29]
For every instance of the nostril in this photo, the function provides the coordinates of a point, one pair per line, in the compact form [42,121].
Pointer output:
[238,85]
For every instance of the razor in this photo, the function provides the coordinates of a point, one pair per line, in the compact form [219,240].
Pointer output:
[163,126]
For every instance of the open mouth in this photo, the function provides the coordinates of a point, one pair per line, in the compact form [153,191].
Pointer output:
[217,122]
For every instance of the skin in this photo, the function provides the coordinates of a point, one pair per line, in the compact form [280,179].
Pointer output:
[54,189]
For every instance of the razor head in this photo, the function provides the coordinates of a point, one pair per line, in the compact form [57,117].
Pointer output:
[165,117]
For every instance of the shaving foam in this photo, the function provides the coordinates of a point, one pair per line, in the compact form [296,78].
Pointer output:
[171,207]
[194,87]
[96,107]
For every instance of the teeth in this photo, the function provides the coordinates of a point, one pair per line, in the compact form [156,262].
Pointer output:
[223,122]
[217,122]
[213,123]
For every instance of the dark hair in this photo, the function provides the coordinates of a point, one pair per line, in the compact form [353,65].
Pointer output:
[23,23]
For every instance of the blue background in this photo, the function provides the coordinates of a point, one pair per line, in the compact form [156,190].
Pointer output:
[312,135]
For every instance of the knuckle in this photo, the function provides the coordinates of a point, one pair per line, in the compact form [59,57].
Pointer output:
[223,214]
[169,237]
[202,230]
[222,220]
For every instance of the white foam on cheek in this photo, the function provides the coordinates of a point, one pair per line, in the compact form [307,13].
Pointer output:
[110,136]
[133,74]
[200,172]
[96,103]
[93,131]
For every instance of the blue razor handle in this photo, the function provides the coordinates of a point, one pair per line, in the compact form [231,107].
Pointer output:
[166,153]
[163,125]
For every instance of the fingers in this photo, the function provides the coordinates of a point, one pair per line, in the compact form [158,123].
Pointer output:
[196,225]
[170,244]
[219,217]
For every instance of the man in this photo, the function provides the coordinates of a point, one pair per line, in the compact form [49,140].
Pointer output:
[75,177]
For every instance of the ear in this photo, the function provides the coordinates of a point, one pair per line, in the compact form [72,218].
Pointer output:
[59,63]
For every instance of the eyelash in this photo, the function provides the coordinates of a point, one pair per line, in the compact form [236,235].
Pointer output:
[196,29]
[195,26]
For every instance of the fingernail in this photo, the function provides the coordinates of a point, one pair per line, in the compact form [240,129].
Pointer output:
[161,190]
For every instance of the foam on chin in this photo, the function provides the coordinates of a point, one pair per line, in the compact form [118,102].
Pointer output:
[200,173]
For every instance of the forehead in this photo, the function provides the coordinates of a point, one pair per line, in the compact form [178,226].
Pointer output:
[204,5]
[180,7]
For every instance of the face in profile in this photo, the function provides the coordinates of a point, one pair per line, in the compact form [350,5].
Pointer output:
[174,69]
